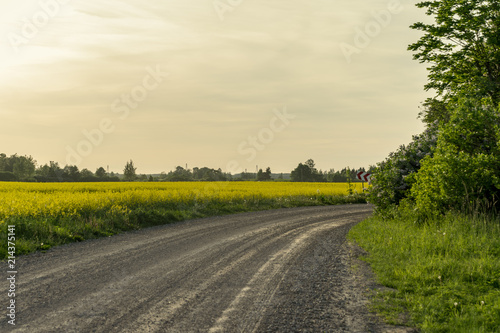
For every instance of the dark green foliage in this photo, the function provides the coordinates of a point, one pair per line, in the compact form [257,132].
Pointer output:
[394,177]
[208,174]
[100,172]
[434,112]
[7,176]
[129,171]
[336,176]
[49,173]
[306,173]
[343,175]
[197,174]
[180,175]
[23,167]
[246,176]
[264,176]
[71,173]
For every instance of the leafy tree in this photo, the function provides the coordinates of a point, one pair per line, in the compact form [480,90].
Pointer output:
[24,167]
[208,174]
[268,173]
[434,112]
[49,173]
[7,163]
[87,176]
[306,173]
[71,173]
[129,171]
[462,46]
[333,176]
[310,163]
[260,175]
[455,160]
[302,173]
[55,171]
[42,172]
[264,176]
[465,168]
[100,172]
[180,175]
[3,162]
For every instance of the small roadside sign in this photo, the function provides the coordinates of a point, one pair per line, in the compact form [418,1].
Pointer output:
[364,176]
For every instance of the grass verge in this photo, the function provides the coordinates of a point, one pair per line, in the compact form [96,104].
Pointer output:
[445,273]
[42,233]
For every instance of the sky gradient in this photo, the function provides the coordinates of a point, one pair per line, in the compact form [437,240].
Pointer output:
[224,84]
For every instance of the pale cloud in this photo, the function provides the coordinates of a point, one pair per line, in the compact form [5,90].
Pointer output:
[225,79]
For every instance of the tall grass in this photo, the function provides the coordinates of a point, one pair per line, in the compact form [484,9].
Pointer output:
[445,273]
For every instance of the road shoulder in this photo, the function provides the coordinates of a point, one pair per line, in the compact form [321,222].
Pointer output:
[361,285]
[327,289]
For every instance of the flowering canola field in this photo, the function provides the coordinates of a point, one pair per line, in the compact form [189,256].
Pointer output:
[49,214]
[85,199]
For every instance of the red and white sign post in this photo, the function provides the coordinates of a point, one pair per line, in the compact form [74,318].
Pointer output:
[364,177]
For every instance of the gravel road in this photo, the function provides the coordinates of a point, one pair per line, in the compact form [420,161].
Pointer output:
[274,271]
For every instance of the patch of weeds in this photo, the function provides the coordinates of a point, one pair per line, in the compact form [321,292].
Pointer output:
[446,272]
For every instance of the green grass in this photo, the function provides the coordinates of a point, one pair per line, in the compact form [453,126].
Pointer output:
[446,273]
[35,234]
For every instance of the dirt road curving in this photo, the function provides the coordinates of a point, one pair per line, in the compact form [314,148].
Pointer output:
[273,271]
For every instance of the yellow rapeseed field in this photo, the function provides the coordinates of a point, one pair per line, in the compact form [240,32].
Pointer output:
[49,214]
[56,200]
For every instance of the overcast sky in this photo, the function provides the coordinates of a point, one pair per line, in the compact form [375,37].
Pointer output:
[225,84]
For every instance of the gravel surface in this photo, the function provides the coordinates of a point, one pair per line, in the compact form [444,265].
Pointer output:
[284,270]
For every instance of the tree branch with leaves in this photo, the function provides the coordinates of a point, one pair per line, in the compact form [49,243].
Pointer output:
[462,46]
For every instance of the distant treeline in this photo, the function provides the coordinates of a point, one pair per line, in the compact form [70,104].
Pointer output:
[25,169]
[307,172]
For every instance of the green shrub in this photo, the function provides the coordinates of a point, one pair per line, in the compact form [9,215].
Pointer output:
[394,177]
[465,168]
